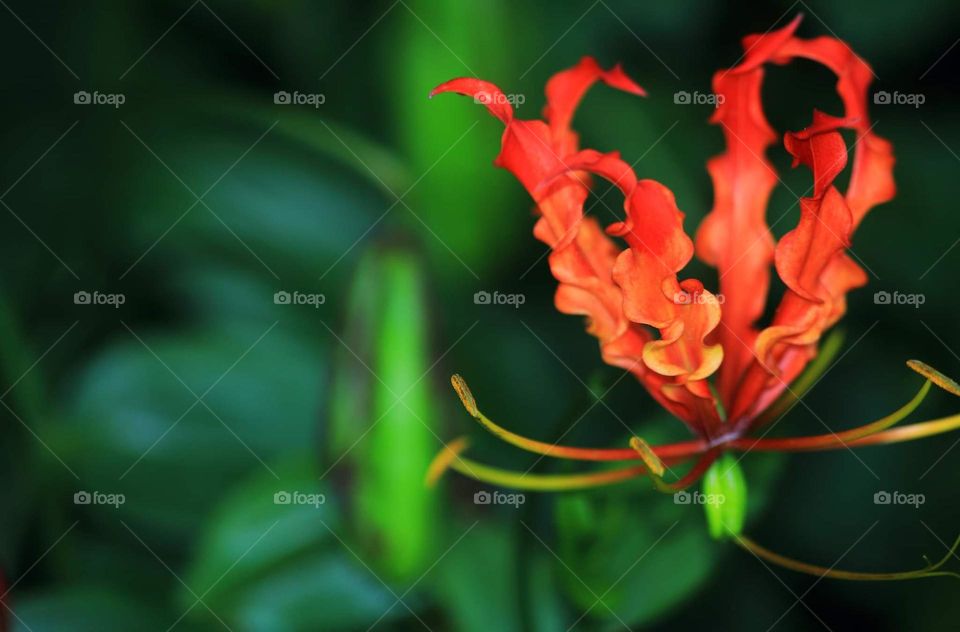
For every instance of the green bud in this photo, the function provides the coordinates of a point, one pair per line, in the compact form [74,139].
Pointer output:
[725,497]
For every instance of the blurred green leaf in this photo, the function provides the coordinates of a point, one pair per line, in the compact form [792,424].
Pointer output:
[396,512]
[466,203]
[85,608]
[330,591]
[632,553]
[477,580]
[171,456]
[251,532]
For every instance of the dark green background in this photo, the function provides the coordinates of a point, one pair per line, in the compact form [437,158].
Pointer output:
[306,199]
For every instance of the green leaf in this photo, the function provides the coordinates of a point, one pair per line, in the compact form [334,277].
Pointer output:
[251,532]
[632,553]
[136,429]
[466,202]
[84,608]
[279,212]
[330,591]
[398,511]
[477,581]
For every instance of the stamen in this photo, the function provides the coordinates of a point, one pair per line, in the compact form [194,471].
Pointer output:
[931,570]
[838,439]
[672,453]
[444,459]
[691,477]
[935,376]
[650,458]
[543,482]
[910,432]
[466,395]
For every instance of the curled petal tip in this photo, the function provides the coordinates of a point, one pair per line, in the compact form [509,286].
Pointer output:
[482,92]
[619,229]
[625,83]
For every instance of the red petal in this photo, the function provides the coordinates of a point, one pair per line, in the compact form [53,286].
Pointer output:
[684,313]
[811,261]
[825,221]
[871,180]
[483,92]
[545,161]
[566,88]
[735,238]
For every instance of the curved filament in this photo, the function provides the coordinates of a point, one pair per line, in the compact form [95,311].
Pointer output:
[691,477]
[543,482]
[932,570]
[835,439]
[450,453]
[670,453]
[909,432]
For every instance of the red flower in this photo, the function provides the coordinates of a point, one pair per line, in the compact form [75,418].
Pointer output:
[702,356]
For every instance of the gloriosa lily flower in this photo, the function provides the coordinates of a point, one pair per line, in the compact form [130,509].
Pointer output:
[701,357]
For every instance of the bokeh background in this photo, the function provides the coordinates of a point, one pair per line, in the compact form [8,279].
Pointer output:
[200,398]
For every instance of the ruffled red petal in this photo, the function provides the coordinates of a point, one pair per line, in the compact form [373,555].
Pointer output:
[565,90]
[542,157]
[684,312]
[734,237]
[812,263]
[622,293]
